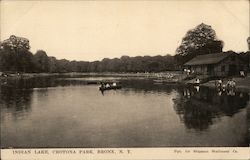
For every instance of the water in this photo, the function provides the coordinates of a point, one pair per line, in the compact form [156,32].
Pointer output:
[66,112]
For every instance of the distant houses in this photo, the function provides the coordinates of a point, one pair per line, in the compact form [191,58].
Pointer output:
[217,64]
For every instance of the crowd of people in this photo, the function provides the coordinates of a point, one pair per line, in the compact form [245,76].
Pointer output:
[229,84]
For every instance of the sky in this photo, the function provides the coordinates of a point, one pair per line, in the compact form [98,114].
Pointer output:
[93,30]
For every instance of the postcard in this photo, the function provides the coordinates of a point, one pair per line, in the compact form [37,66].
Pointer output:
[123,80]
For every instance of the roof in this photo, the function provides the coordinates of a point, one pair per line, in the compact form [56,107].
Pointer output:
[208,59]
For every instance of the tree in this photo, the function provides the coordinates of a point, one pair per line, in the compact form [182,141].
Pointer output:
[53,65]
[41,61]
[200,40]
[16,57]
[16,43]
[15,54]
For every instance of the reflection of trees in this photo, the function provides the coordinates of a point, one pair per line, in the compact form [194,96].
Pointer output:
[197,109]
[16,93]
[27,83]
[39,82]
[193,113]
[15,101]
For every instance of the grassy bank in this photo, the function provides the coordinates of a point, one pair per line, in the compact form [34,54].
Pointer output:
[242,84]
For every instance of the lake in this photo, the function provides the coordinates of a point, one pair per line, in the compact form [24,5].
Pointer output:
[66,112]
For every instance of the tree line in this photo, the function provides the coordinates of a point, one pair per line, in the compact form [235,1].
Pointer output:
[15,56]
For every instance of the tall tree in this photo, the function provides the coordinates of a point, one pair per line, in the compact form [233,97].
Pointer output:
[200,40]
[16,54]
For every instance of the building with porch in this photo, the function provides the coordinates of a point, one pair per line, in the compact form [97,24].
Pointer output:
[217,64]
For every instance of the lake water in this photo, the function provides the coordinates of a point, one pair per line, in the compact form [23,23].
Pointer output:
[66,112]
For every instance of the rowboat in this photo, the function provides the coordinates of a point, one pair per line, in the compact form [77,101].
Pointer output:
[109,86]
[103,88]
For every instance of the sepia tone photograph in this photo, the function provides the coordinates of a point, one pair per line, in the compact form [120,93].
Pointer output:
[124,74]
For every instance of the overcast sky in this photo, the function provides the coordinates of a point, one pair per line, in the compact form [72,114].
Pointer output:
[93,30]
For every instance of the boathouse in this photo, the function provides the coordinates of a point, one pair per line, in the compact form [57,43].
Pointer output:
[217,64]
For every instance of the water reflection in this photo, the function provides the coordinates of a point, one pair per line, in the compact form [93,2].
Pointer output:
[58,112]
[30,83]
[16,102]
[40,82]
[198,108]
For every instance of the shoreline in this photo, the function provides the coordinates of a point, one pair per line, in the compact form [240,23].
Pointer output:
[242,84]
[167,74]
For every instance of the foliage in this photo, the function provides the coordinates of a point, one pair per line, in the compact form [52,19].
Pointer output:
[16,43]
[16,57]
[200,40]
[41,61]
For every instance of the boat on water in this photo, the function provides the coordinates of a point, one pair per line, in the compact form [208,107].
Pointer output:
[109,86]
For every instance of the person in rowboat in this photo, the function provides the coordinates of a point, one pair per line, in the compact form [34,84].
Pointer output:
[107,85]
